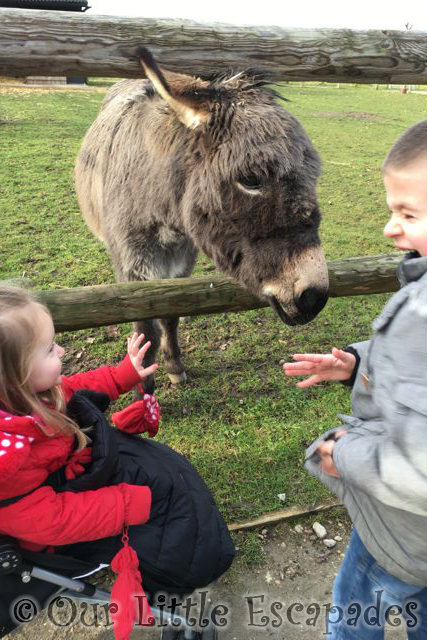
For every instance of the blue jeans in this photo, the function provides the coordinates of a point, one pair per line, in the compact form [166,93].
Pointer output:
[365,592]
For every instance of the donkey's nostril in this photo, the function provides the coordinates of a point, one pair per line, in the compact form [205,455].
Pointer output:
[311,301]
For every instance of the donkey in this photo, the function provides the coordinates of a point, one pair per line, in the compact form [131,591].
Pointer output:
[175,164]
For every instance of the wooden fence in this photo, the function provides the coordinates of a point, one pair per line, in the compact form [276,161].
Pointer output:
[54,43]
[95,306]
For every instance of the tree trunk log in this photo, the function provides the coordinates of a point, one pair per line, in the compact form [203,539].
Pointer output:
[100,305]
[62,43]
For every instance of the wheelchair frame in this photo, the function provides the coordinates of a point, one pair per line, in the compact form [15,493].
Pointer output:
[11,561]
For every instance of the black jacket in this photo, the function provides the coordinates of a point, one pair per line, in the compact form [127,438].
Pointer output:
[185,544]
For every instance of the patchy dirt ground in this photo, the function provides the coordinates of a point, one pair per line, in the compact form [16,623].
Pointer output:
[256,603]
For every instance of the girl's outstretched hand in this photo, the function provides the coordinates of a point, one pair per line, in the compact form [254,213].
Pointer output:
[136,354]
[339,365]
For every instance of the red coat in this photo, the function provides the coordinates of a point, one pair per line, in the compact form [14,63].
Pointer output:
[28,456]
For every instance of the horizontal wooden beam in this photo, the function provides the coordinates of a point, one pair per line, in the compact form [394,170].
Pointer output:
[60,43]
[100,305]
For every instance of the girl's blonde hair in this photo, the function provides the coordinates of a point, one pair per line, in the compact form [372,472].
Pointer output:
[19,337]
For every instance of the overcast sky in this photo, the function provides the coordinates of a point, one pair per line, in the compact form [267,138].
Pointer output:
[363,14]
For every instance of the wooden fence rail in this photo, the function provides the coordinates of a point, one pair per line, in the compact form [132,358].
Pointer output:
[54,43]
[100,305]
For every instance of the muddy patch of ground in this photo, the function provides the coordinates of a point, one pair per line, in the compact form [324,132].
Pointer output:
[349,115]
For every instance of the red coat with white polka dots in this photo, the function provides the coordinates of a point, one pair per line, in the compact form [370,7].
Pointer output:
[28,456]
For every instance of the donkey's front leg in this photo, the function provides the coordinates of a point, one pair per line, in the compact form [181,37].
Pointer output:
[171,350]
[151,332]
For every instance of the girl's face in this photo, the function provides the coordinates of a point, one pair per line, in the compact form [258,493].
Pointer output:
[46,361]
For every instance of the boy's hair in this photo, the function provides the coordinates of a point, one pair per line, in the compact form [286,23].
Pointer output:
[409,147]
[19,336]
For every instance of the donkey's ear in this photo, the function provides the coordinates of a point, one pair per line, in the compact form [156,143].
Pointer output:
[187,112]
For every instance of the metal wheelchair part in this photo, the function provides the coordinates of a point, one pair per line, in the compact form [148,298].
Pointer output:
[11,562]
[10,556]
[80,590]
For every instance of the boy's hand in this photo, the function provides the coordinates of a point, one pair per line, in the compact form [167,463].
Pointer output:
[338,365]
[325,451]
[136,355]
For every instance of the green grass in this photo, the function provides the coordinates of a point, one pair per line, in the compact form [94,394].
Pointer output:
[243,425]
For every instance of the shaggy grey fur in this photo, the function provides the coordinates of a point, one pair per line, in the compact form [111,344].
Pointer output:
[182,164]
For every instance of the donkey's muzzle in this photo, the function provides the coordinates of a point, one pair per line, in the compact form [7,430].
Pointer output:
[309,304]
[301,290]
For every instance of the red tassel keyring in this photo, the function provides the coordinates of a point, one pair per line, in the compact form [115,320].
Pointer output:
[128,602]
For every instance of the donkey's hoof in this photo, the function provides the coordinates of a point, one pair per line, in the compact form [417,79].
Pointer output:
[177,378]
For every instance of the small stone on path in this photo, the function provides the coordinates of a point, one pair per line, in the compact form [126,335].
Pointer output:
[320,531]
[329,543]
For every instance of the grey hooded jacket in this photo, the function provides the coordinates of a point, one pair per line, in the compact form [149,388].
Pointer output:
[382,458]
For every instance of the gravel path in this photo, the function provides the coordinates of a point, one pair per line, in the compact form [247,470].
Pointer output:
[297,569]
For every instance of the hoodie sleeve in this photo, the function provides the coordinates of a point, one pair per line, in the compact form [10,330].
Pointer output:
[384,451]
[110,380]
[390,468]
[359,350]
[49,518]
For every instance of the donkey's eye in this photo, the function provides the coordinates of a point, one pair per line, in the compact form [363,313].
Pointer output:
[250,184]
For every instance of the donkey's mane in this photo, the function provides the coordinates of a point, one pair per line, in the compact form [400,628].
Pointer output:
[221,85]
[246,80]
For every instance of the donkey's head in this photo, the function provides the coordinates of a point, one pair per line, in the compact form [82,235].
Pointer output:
[249,194]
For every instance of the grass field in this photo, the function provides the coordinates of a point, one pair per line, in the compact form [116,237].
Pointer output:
[243,425]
